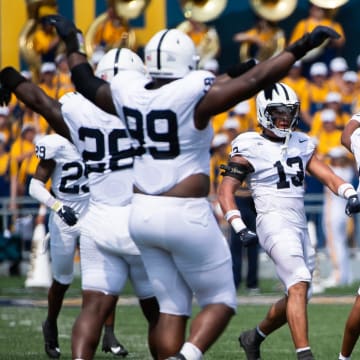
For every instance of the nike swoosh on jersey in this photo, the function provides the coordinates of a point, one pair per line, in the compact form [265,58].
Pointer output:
[301,141]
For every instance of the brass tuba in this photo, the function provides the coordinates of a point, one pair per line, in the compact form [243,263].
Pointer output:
[331,7]
[126,10]
[329,4]
[198,12]
[271,11]
[35,9]
[202,10]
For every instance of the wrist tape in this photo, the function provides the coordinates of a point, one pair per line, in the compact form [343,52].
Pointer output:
[346,190]
[236,222]
[54,204]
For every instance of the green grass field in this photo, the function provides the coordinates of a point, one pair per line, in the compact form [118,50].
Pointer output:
[21,336]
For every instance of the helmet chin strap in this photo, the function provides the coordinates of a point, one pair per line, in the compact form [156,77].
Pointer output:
[284,147]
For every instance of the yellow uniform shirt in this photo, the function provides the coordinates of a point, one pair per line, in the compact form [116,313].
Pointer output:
[317,96]
[218,121]
[4,174]
[327,141]
[316,126]
[216,160]
[309,24]
[18,148]
[27,169]
[301,88]
[62,81]
[109,35]
[42,41]
[4,163]
[56,93]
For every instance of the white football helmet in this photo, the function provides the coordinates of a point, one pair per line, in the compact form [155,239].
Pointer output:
[170,54]
[281,98]
[118,59]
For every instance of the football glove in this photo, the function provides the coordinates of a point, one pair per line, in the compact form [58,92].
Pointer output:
[312,40]
[320,34]
[247,237]
[68,215]
[68,32]
[5,95]
[352,206]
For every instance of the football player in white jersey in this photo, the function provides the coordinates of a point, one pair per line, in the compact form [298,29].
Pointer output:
[184,251]
[108,255]
[351,140]
[61,162]
[273,164]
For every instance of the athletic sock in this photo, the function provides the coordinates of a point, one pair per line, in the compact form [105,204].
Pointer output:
[260,336]
[191,352]
[109,329]
[342,357]
[304,354]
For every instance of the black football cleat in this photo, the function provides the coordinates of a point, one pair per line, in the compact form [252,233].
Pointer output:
[248,342]
[111,344]
[51,340]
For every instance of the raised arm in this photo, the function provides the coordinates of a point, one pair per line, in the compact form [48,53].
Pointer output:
[224,95]
[336,184]
[93,88]
[35,98]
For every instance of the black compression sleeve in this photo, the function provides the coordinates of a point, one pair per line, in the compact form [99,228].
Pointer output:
[240,68]
[85,81]
[11,78]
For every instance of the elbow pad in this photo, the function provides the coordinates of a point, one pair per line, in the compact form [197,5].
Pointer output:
[85,81]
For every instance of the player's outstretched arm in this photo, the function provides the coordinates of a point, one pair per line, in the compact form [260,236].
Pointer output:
[39,192]
[94,89]
[224,95]
[35,98]
[326,176]
[335,183]
[236,70]
[350,127]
